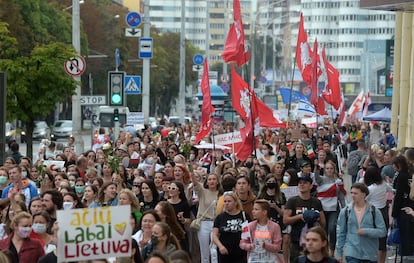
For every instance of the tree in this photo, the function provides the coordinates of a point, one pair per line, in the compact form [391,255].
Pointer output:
[35,82]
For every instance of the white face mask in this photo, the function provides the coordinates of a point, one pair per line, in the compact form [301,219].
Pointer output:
[39,228]
[24,174]
[286,179]
[150,160]
[67,205]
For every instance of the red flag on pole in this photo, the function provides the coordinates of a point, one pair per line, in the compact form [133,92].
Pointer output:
[240,95]
[356,106]
[342,112]
[332,92]
[235,49]
[303,53]
[206,109]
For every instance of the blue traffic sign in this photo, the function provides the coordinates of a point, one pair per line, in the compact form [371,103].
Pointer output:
[132,84]
[133,19]
[145,47]
[198,59]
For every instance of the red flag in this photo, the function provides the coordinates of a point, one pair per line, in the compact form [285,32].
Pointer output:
[235,49]
[206,108]
[303,53]
[241,96]
[266,117]
[332,92]
[320,109]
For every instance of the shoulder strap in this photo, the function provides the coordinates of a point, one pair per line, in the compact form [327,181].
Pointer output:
[373,215]
[244,216]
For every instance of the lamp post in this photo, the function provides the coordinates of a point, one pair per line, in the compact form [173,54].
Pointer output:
[76,105]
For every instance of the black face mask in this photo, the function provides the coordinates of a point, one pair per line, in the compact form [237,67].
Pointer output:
[154,240]
[271,185]
[249,164]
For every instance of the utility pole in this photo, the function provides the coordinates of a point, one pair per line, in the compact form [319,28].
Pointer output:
[76,105]
[146,67]
[181,99]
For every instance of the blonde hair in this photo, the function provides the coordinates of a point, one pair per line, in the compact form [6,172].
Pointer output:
[132,197]
[233,195]
[19,216]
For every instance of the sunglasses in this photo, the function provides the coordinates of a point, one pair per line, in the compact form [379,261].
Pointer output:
[172,188]
[137,185]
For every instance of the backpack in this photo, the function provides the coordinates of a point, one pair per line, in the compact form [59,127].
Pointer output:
[353,163]
[302,259]
[348,212]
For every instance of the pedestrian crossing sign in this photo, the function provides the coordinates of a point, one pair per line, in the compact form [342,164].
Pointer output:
[132,84]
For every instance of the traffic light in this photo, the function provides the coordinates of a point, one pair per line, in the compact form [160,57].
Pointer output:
[116,88]
[116,115]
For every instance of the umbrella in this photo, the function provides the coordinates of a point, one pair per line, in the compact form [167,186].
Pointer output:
[383,115]
[212,146]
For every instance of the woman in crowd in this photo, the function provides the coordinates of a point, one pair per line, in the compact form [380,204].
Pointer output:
[320,164]
[208,193]
[265,235]
[107,196]
[169,168]
[268,157]
[290,178]
[162,241]
[180,204]
[277,171]
[402,200]
[168,215]
[41,225]
[150,195]
[35,205]
[106,172]
[331,192]
[227,230]
[90,194]
[127,197]
[158,176]
[377,196]
[80,187]
[298,157]
[148,220]
[23,248]
[71,197]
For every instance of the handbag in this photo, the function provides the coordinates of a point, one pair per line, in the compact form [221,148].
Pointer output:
[196,223]
[393,238]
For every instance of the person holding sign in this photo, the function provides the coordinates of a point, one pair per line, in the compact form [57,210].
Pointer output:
[107,196]
[265,235]
[162,241]
[22,247]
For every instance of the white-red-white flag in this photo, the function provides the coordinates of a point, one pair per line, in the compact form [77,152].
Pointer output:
[357,105]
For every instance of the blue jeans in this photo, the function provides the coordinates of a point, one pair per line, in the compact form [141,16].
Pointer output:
[356,260]
[331,221]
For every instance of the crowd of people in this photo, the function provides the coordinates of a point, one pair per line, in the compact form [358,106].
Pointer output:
[191,204]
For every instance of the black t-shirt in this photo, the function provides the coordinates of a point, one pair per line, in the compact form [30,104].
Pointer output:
[48,258]
[298,206]
[307,260]
[147,205]
[230,229]
[273,214]
[184,207]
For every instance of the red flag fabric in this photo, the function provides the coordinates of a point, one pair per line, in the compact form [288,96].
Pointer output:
[266,117]
[332,92]
[235,49]
[240,95]
[206,108]
[321,109]
[303,53]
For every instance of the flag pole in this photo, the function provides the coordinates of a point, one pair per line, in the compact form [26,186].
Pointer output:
[251,109]
[291,91]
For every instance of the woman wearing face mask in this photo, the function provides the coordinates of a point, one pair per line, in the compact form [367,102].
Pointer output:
[80,187]
[4,178]
[22,247]
[162,241]
[71,201]
[41,224]
[268,157]
[290,178]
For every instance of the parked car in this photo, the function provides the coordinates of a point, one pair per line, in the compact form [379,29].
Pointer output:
[61,129]
[10,132]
